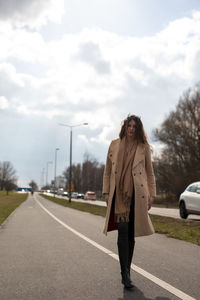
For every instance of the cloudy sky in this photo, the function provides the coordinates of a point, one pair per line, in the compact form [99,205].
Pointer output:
[95,61]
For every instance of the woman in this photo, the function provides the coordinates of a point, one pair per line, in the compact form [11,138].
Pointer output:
[129,188]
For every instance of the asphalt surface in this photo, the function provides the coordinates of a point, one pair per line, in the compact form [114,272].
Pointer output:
[42,259]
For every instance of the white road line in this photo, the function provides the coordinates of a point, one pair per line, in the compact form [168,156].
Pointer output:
[142,272]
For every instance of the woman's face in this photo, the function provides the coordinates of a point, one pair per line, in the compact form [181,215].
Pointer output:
[130,132]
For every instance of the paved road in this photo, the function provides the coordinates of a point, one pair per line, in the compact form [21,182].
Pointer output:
[167,212]
[48,252]
[170,212]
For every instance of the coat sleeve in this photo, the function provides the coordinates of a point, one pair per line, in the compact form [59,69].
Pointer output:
[107,173]
[150,173]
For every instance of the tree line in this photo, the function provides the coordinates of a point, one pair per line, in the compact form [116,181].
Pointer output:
[86,176]
[178,164]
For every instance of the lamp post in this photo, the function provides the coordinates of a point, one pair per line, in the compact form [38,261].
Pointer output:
[55,170]
[42,177]
[70,168]
[48,162]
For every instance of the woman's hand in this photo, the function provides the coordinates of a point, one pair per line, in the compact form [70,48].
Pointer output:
[106,197]
[150,201]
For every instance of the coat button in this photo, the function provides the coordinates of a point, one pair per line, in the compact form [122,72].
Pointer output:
[113,163]
[141,184]
[134,174]
[140,173]
[142,196]
[115,172]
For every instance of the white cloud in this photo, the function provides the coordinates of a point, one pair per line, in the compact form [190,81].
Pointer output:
[8,74]
[93,76]
[21,44]
[4,104]
[100,77]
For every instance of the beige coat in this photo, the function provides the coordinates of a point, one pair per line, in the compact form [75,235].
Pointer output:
[144,185]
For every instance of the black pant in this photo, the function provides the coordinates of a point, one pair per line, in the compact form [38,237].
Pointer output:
[126,239]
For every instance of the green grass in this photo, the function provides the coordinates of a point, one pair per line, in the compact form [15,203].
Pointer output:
[87,207]
[186,230]
[9,202]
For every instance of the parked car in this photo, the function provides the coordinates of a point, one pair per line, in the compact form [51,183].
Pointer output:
[65,194]
[74,195]
[90,196]
[60,191]
[80,196]
[189,201]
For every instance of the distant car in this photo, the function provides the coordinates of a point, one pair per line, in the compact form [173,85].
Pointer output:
[80,196]
[74,195]
[60,191]
[189,201]
[90,196]
[65,194]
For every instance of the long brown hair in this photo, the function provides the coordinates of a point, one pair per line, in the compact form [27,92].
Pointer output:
[140,134]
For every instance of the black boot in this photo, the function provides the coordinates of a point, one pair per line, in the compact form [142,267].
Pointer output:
[123,249]
[131,236]
[130,256]
[126,281]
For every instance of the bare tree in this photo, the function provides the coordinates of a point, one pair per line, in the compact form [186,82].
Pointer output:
[33,185]
[76,176]
[99,179]
[8,177]
[86,176]
[89,176]
[10,186]
[179,163]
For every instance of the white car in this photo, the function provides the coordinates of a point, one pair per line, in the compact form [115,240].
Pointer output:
[189,201]
[65,194]
[74,195]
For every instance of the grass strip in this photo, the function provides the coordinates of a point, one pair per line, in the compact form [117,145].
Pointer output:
[187,230]
[166,205]
[87,207]
[8,203]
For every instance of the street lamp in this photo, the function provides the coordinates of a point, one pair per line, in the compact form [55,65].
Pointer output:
[42,177]
[48,162]
[70,169]
[55,170]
